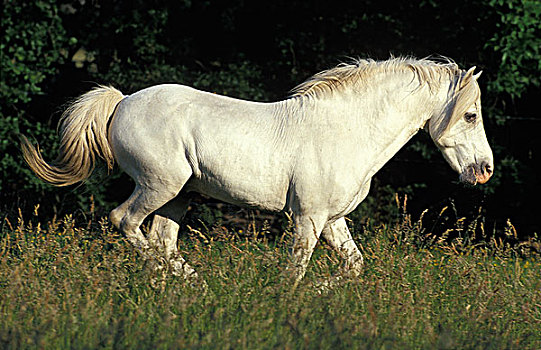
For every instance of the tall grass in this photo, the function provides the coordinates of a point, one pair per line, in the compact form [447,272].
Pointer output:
[80,285]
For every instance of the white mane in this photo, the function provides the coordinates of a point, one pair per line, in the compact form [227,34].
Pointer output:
[362,70]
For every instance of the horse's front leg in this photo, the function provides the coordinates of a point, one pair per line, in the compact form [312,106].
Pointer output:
[307,232]
[338,236]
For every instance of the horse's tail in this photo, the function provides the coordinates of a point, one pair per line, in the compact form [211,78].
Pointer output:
[83,132]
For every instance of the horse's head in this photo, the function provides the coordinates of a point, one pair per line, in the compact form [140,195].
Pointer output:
[459,133]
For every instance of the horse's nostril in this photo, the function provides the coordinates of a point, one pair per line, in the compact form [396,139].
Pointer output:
[482,172]
[487,169]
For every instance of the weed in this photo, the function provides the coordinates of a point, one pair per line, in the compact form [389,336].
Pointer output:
[65,284]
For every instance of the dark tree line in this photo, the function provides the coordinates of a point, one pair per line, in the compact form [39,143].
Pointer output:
[51,51]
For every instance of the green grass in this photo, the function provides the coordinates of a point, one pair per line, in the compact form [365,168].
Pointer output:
[73,285]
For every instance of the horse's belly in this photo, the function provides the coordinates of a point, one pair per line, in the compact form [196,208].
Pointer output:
[266,195]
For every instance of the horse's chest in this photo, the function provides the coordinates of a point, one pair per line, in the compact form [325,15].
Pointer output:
[351,202]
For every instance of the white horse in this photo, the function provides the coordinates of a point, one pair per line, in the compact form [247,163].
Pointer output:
[312,155]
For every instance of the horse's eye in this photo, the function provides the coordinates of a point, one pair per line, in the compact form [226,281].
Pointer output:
[470,117]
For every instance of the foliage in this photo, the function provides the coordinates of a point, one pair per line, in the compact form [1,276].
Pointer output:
[517,42]
[514,50]
[67,284]
[33,48]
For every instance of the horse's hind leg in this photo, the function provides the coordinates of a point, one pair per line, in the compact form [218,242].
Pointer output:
[164,231]
[144,200]
[122,220]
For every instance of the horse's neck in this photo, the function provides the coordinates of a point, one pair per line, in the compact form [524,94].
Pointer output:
[399,116]
[383,118]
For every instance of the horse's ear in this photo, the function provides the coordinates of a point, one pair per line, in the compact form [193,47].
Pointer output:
[469,73]
[476,76]
[467,77]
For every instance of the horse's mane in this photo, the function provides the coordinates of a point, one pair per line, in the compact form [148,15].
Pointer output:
[462,93]
[361,70]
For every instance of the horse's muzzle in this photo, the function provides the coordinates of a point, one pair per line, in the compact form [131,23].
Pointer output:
[477,173]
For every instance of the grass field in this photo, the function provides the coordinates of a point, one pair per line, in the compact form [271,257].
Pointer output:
[66,284]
